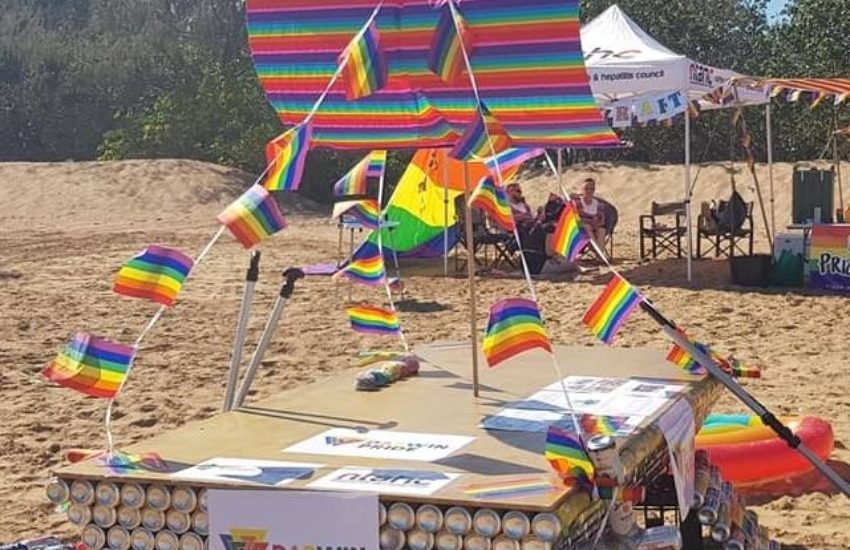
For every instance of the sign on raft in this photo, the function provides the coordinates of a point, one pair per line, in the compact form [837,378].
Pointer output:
[829,257]
[426,447]
[292,520]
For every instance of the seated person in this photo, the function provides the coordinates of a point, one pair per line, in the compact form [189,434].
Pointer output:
[523,214]
[591,212]
[537,246]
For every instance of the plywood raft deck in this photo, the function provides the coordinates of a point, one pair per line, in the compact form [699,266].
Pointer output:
[438,400]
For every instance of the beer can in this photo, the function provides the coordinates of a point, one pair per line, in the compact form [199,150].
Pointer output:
[400,515]
[444,540]
[486,522]
[534,543]
[57,491]
[419,539]
[184,499]
[107,494]
[428,518]
[82,492]
[458,520]
[93,537]
[391,539]
[474,541]
[201,522]
[191,541]
[141,539]
[736,541]
[158,497]
[153,520]
[129,517]
[79,514]
[166,540]
[104,516]
[177,521]
[602,450]
[702,480]
[707,514]
[202,499]
[546,526]
[118,538]
[516,525]
[382,514]
[133,495]
[721,529]
[662,537]
[621,520]
[504,542]
[750,527]
[716,477]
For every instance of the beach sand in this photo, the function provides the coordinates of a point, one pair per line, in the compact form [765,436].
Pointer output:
[65,228]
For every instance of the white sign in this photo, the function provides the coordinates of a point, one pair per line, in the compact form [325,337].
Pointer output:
[537,420]
[385,481]
[284,520]
[679,429]
[243,470]
[426,447]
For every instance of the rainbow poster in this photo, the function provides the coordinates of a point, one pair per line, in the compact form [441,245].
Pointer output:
[829,257]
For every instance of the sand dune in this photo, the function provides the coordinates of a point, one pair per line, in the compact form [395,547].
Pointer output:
[65,228]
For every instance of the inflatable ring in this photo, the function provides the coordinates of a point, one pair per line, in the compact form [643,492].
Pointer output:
[750,453]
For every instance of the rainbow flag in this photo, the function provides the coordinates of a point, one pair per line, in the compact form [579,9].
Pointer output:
[93,366]
[356,180]
[253,216]
[156,273]
[511,159]
[566,454]
[682,359]
[514,326]
[491,198]
[364,211]
[364,68]
[373,319]
[445,59]
[287,154]
[593,424]
[366,266]
[611,309]
[478,136]
[569,238]
[739,370]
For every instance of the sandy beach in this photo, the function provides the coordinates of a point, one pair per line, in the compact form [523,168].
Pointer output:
[65,228]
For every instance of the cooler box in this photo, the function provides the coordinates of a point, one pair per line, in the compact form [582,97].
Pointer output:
[793,243]
[788,259]
[812,188]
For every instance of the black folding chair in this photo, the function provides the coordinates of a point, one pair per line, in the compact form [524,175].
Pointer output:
[663,228]
[723,240]
[484,239]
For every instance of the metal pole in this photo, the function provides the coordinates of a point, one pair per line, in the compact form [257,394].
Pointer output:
[560,175]
[688,192]
[837,162]
[767,418]
[470,275]
[291,276]
[769,125]
[445,214]
[239,343]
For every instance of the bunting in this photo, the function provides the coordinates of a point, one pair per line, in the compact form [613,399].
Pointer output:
[364,68]
[566,454]
[156,273]
[445,59]
[366,266]
[478,137]
[356,180]
[90,365]
[253,217]
[570,237]
[373,320]
[514,326]
[287,154]
[611,309]
[491,198]
[365,211]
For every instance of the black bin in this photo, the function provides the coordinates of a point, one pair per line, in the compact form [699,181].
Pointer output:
[755,270]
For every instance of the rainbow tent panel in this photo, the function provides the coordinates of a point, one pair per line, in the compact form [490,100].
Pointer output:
[527,61]
[417,204]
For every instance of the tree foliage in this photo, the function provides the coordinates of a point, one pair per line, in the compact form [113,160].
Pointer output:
[110,79]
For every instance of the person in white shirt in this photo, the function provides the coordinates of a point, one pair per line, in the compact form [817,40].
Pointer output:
[591,212]
[523,214]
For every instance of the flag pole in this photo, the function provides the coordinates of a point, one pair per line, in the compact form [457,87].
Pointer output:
[470,275]
[445,214]
[251,277]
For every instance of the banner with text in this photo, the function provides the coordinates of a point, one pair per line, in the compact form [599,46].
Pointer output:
[829,257]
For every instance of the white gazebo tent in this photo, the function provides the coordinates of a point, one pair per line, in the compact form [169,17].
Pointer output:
[624,62]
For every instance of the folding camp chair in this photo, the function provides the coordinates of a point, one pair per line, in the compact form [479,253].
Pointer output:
[726,241]
[663,237]
[612,216]
[484,239]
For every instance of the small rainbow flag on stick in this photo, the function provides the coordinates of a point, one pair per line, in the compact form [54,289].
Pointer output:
[366,266]
[570,237]
[514,326]
[566,454]
[373,319]
[446,56]
[476,139]
[682,359]
[253,217]
[364,68]
[491,198]
[611,309]
[156,273]
[593,424]
[511,159]
[93,366]
[364,211]
[287,154]
[356,180]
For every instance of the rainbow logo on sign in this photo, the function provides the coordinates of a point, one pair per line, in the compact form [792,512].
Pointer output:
[829,257]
